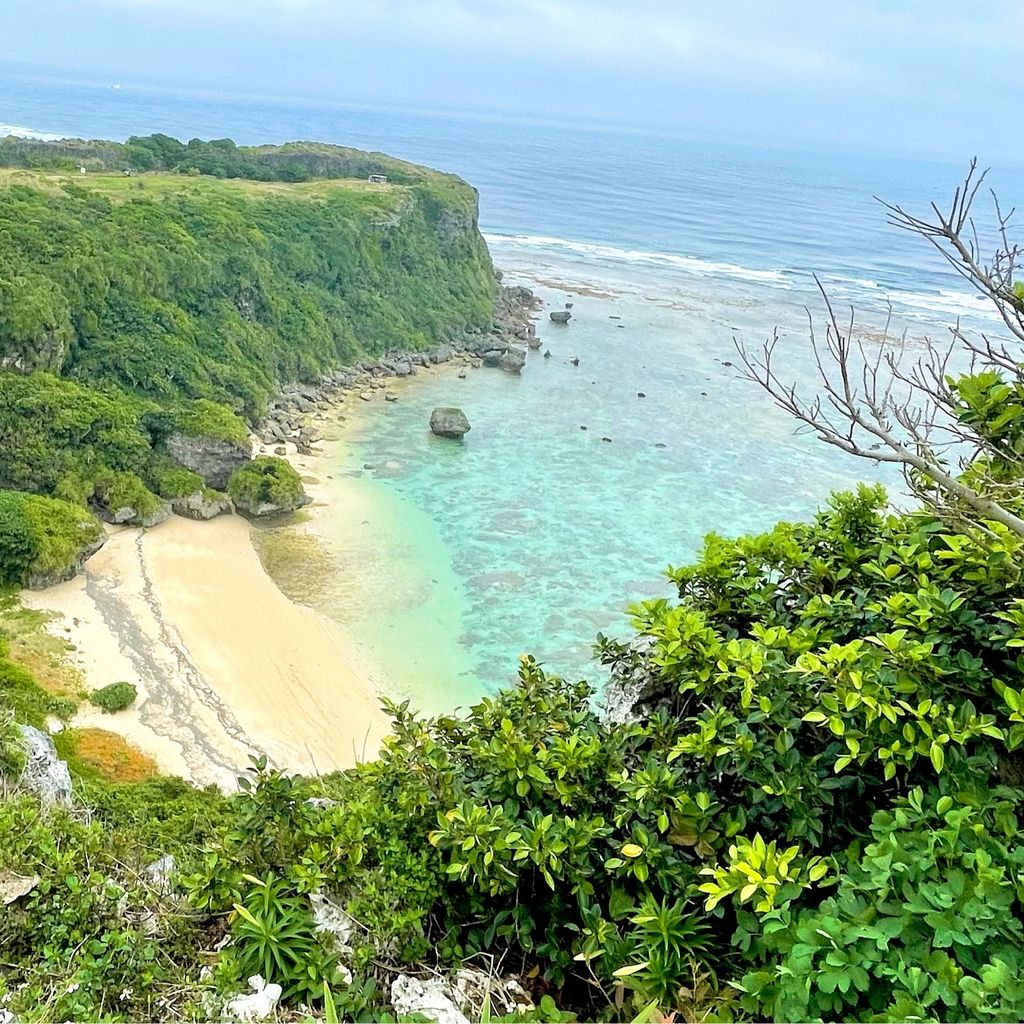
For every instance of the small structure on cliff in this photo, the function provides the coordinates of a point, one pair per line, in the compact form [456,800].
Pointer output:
[378,179]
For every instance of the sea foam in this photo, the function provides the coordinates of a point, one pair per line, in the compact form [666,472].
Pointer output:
[28,133]
[613,254]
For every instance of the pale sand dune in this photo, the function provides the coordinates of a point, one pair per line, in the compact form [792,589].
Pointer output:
[225,664]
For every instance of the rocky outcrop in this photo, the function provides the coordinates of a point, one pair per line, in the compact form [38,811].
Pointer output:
[93,537]
[513,360]
[501,344]
[128,515]
[259,509]
[636,688]
[213,458]
[44,774]
[452,223]
[448,421]
[202,505]
[430,998]
[560,316]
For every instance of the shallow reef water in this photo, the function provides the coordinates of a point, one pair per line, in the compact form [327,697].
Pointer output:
[574,490]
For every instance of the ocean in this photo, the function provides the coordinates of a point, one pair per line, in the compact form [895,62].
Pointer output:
[448,561]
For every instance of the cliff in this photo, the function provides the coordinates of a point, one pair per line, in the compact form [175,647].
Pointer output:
[137,309]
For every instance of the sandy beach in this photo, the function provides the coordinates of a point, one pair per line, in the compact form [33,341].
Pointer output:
[226,665]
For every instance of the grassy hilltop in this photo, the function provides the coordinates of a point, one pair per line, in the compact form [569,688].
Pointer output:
[177,298]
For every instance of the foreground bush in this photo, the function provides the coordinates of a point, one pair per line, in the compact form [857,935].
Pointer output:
[814,815]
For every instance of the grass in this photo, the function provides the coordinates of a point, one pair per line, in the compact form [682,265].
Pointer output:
[38,650]
[157,184]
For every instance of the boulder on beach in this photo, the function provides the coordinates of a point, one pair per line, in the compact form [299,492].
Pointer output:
[213,458]
[448,421]
[560,316]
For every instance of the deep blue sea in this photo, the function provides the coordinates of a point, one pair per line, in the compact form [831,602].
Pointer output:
[535,533]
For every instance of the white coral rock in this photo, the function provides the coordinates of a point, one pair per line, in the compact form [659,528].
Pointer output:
[257,1005]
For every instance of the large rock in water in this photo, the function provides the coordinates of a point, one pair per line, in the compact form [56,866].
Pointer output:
[213,458]
[45,774]
[560,316]
[447,421]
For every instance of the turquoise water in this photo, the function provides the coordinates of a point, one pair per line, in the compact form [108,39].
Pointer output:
[533,534]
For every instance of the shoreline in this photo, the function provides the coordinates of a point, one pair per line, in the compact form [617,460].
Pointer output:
[227,665]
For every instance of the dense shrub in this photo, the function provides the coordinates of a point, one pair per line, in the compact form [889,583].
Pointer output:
[926,923]
[266,481]
[813,817]
[220,292]
[170,480]
[114,697]
[132,310]
[124,494]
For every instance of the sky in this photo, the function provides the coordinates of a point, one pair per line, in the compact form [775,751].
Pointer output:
[934,78]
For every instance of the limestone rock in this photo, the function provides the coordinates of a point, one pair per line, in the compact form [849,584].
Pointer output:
[430,998]
[45,774]
[128,515]
[213,458]
[272,508]
[330,918]
[202,505]
[93,537]
[560,316]
[160,874]
[513,360]
[635,688]
[14,886]
[259,1004]
[448,421]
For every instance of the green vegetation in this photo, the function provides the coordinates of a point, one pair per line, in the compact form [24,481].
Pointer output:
[206,290]
[176,301]
[114,697]
[811,813]
[43,539]
[815,816]
[266,481]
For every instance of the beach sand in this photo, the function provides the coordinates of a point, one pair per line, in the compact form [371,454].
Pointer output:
[226,665]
